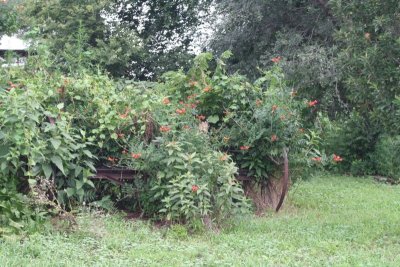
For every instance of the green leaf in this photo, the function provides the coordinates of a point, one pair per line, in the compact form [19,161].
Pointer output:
[213,119]
[80,193]
[90,183]
[15,224]
[88,153]
[70,192]
[114,136]
[4,149]
[55,142]
[78,171]
[79,184]
[3,165]
[47,170]
[58,162]
[32,182]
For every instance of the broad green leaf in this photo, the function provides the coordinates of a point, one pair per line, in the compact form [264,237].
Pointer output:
[70,192]
[47,170]
[4,149]
[213,119]
[60,106]
[58,162]
[55,142]
[79,184]
[114,136]
[15,224]
[3,165]
[78,171]
[88,153]
[90,183]
[32,182]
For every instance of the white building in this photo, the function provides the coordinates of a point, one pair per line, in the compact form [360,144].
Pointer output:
[16,47]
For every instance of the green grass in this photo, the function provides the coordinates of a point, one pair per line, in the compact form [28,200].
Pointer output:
[328,221]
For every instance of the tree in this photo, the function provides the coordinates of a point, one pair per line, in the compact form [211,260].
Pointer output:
[166,29]
[78,34]
[346,54]
[369,43]
[139,39]
[8,17]
[300,32]
[256,29]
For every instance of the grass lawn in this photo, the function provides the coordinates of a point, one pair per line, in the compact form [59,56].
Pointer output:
[328,221]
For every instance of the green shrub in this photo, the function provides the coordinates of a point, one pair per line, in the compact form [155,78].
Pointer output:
[187,136]
[38,138]
[204,126]
[352,139]
[387,156]
[189,180]
[16,210]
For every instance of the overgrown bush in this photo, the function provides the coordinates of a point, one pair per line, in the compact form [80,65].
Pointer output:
[190,181]
[188,136]
[387,157]
[16,210]
[252,122]
[38,137]
[353,139]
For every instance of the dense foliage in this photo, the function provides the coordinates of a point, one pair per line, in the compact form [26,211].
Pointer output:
[139,39]
[316,81]
[187,136]
[8,18]
[345,54]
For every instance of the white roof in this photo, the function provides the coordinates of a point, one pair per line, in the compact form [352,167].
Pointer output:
[12,43]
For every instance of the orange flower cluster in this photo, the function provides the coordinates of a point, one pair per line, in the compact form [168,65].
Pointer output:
[337,158]
[193,83]
[274,138]
[165,129]
[166,101]
[136,155]
[125,115]
[195,188]
[181,111]
[207,89]
[112,159]
[274,108]
[191,96]
[276,59]
[312,103]
[12,86]
[317,159]
[223,157]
